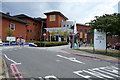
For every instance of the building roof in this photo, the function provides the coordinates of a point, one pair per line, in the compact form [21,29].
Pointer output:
[56,12]
[82,24]
[25,16]
[12,18]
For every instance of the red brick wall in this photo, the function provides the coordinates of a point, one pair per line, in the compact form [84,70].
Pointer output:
[35,29]
[56,23]
[83,30]
[20,28]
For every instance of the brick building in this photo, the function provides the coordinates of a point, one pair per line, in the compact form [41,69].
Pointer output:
[33,28]
[18,26]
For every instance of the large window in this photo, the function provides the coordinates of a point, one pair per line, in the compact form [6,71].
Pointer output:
[80,30]
[12,26]
[27,30]
[85,31]
[52,17]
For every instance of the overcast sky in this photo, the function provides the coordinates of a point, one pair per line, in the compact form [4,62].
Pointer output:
[80,10]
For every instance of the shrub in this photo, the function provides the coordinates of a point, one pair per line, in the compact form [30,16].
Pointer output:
[5,41]
[49,44]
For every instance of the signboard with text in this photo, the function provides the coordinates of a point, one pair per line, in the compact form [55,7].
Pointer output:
[99,40]
[11,38]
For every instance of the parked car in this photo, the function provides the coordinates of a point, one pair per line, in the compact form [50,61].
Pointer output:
[1,43]
[116,46]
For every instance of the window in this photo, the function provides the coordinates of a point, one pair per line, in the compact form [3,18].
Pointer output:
[30,30]
[64,25]
[52,17]
[35,24]
[30,39]
[80,30]
[27,30]
[12,26]
[67,25]
[85,31]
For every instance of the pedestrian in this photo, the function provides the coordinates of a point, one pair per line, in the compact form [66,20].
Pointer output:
[10,42]
[18,41]
[22,41]
[71,43]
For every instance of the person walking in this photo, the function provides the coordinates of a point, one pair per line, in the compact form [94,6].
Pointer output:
[22,42]
[18,41]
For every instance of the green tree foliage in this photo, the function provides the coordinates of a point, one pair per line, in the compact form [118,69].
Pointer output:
[110,23]
[60,32]
[9,32]
[66,34]
[53,33]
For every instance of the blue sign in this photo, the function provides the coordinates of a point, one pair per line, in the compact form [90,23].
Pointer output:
[20,36]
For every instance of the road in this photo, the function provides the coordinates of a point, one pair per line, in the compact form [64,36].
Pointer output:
[55,63]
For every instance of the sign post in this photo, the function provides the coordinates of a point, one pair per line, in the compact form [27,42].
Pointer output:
[73,40]
[44,38]
[99,40]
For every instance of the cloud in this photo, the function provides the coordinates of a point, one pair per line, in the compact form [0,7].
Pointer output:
[80,10]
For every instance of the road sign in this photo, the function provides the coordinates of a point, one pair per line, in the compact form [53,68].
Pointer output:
[44,34]
[73,34]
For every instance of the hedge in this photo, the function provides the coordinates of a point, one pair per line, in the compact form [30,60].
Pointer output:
[49,44]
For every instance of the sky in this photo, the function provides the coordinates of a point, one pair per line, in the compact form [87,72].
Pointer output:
[82,11]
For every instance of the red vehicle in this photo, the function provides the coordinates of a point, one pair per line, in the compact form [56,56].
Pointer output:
[116,46]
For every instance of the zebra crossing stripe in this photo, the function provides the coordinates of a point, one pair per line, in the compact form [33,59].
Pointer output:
[84,76]
[105,72]
[109,69]
[101,72]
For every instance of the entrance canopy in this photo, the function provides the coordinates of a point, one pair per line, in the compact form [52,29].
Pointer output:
[63,29]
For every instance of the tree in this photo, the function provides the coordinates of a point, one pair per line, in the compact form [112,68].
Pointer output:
[53,33]
[109,23]
[60,32]
[66,35]
[9,32]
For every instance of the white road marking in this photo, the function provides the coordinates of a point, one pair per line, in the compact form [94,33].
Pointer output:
[109,69]
[50,76]
[105,72]
[58,60]
[101,72]
[40,78]
[115,67]
[15,63]
[84,76]
[71,59]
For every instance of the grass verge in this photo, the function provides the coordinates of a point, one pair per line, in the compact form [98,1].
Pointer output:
[113,53]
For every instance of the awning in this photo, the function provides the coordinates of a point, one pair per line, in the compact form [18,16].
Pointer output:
[60,28]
